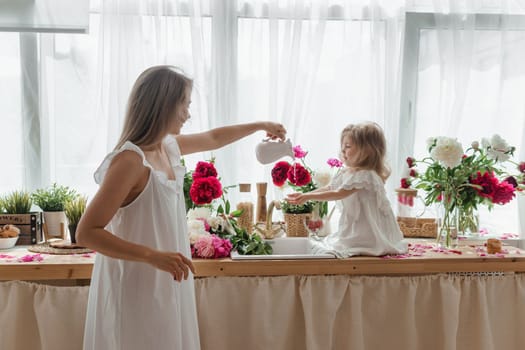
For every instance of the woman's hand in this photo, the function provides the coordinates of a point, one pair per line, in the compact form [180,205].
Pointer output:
[275,131]
[296,198]
[175,263]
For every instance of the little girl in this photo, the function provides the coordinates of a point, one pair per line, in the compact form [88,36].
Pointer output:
[367,225]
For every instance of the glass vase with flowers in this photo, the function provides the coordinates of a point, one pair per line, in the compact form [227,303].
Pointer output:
[462,180]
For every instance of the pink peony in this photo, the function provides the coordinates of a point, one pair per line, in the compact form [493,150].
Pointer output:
[334,163]
[299,152]
[211,246]
[204,247]
[222,247]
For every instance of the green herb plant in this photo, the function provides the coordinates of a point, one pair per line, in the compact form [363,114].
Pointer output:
[53,198]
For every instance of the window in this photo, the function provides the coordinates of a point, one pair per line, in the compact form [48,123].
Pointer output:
[465,81]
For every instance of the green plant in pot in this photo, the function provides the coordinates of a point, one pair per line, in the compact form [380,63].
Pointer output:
[16,202]
[15,209]
[74,210]
[52,201]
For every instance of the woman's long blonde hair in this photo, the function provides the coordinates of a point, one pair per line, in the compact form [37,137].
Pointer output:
[152,102]
[369,140]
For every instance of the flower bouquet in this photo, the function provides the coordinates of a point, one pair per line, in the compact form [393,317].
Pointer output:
[213,230]
[462,180]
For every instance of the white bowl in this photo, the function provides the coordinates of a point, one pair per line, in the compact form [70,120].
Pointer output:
[6,243]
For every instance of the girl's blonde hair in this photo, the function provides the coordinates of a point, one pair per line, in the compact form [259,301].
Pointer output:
[151,104]
[370,142]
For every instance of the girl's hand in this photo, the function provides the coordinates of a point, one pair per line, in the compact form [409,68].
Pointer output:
[175,263]
[275,131]
[296,198]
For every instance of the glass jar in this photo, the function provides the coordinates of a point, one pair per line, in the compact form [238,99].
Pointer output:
[245,204]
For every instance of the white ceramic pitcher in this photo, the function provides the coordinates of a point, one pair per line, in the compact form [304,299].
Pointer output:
[268,151]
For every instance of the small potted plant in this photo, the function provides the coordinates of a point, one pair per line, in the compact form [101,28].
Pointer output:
[74,210]
[17,202]
[52,201]
[15,209]
[295,217]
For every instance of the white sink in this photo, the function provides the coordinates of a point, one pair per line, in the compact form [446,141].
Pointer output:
[286,248]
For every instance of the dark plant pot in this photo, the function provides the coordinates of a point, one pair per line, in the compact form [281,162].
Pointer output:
[72,232]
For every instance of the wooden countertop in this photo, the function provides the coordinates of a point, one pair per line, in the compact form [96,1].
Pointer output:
[19,264]
[16,264]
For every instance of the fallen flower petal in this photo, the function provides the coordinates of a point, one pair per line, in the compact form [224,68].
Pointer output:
[31,258]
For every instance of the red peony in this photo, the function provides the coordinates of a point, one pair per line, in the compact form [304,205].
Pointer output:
[511,180]
[413,172]
[521,167]
[504,193]
[488,182]
[405,183]
[204,169]
[298,175]
[205,189]
[279,173]
[410,162]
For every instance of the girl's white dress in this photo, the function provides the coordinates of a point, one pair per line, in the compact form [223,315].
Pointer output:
[367,225]
[133,305]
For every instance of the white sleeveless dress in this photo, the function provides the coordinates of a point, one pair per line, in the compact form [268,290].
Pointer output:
[133,305]
[367,225]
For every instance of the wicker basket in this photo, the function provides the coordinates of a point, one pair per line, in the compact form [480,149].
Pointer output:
[418,227]
[295,224]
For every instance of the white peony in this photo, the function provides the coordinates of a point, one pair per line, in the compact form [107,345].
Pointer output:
[498,149]
[196,225]
[199,212]
[196,235]
[322,178]
[448,151]
[475,145]
[196,230]
[215,222]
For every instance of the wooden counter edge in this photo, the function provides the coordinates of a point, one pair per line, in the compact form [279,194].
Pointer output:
[355,266]
[228,267]
[28,271]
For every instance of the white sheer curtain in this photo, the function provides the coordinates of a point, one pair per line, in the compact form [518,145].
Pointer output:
[317,66]
[86,79]
[314,65]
